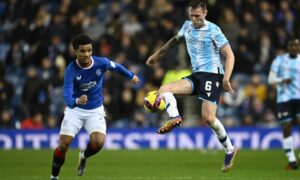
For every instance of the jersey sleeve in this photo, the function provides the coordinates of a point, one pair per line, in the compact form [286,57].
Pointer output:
[219,38]
[183,29]
[68,89]
[275,65]
[116,67]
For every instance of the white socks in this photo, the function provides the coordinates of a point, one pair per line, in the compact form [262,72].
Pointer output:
[171,104]
[288,146]
[54,176]
[82,155]
[218,128]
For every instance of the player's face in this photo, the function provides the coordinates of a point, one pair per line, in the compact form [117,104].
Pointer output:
[294,47]
[84,53]
[197,16]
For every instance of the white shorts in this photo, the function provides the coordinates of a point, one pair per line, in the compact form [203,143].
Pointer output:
[74,119]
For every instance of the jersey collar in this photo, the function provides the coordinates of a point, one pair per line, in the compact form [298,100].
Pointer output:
[203,27]
[86,67]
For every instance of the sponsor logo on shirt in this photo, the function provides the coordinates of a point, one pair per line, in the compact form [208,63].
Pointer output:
[198,42]
[88,86]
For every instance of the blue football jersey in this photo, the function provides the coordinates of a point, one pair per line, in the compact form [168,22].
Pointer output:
[203,46]
[287,68]
[89,81]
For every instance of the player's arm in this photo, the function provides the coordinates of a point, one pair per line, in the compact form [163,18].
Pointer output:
[124,71]
[229,63]
[273,79]
[69,100]
[68,89]
[175,40]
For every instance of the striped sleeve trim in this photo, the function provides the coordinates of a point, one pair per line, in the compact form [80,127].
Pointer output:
[113,64]
[223,45]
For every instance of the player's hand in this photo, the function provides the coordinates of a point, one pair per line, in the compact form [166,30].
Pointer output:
[82,99]
[152,59]
[286,81]
[227,87]
[135,80]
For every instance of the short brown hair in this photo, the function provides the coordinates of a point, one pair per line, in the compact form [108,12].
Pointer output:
[198,3]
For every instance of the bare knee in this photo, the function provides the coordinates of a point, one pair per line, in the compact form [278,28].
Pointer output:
[98,145]
[287,129]
[63,146]
[97,141]
[209,120]
[209,112]
[208,117]
[64,143]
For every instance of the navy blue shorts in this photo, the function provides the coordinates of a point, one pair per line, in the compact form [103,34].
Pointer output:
[286,111]
[207,86]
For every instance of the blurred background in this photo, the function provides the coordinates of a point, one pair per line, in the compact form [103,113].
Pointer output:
[35,48]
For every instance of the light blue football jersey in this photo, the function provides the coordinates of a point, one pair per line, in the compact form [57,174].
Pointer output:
[89,81]
[203,46]
[287,68]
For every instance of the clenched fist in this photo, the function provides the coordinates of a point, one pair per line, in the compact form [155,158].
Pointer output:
[82,99]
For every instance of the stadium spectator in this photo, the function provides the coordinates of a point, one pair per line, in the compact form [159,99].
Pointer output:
[6,119]
[51,122]
[256,88]
[231,106]
[35,121]
[254,107]
[16,56]
[265,54]
[268,120]
[35,95]
[126,105]
[230,26]
[6,93]
[284,73]
[93,27]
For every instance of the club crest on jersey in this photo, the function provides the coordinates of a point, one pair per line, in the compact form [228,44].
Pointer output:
[78,78]
[217,84]
[98,72]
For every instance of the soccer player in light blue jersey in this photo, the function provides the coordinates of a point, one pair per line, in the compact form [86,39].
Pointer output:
[205,43]
[285,74]
[83,97]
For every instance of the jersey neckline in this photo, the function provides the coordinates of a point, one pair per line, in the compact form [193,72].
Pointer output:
[85,67]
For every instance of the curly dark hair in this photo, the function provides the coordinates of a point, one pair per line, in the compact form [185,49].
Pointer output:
[81,39]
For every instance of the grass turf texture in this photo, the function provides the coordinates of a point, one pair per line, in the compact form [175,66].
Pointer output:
[148,165]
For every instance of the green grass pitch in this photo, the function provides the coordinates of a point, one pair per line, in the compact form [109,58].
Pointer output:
[148,165]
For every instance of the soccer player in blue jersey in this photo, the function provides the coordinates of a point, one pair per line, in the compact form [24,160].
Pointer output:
[285,74]
[84,100]
[205,43]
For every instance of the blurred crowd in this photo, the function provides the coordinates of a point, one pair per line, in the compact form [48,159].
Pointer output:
[35,48]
